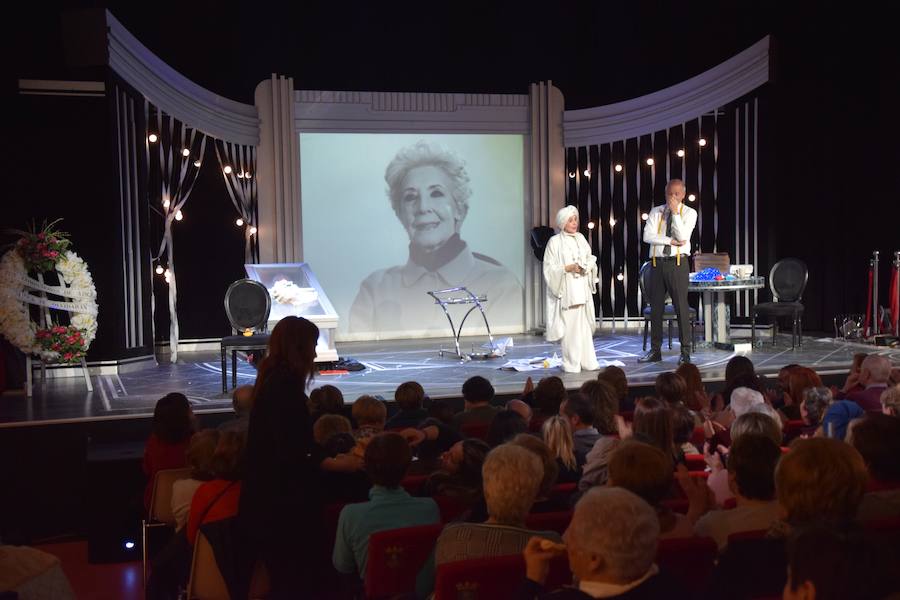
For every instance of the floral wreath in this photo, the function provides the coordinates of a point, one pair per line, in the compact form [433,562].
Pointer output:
[37,253]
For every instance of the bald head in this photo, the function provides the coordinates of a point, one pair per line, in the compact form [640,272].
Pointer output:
[517,406]
[242,400]
[875,370]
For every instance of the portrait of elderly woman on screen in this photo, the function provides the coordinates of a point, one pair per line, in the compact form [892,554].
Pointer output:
[429,192]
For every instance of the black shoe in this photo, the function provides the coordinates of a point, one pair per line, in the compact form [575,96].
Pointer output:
[685,359]
[652,356]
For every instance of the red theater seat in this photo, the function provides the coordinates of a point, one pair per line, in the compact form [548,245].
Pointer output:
[413,483]
[494,578]
[475,430]
[395,557]
[690,560]
[695,462]
[551,521]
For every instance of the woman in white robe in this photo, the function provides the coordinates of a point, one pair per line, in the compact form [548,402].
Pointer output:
[570,272]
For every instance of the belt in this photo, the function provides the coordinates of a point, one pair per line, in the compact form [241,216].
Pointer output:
[668,258]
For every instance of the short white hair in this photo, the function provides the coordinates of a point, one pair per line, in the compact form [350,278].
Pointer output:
[424,154]
[620,527]
[743,398]
[879,367]
[512,476]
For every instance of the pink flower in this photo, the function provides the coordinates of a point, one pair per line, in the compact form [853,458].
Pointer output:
[68,356]
[53,254]
[58,329]
[56,347]
[40,236]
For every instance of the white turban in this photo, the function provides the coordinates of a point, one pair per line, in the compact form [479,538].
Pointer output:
[564,214]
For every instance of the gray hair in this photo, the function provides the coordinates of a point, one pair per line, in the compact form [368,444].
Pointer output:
[620,527]
[890,400]
[424,154]
[879,367]
[512,476]
[743,398]
[759,421]
[675,182]
[816,401]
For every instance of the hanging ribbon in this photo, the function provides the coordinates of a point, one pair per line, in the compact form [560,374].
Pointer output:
[869,302]
[241,186]
[895,297]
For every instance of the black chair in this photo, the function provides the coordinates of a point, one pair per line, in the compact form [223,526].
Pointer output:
[247,305]
[669,314]
[787,280]
[540,236]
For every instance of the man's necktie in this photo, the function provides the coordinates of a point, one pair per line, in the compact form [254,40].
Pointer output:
[667,251]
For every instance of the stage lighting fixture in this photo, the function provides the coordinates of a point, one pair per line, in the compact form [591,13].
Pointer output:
[178,215]
[587,172]
[590,224]
[644,216]
[227,169]
[701,141]
[680,153]
[129,545]
[239,222]
[252,230]
[159,270]
[571,174]
[240,175]
[618,168]
[185,152]
[247,175]
[620,277]
[650,162]
[197,163]
[152,138]
[691,197]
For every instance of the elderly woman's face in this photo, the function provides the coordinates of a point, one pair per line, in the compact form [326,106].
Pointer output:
[452,458]
[427,209]
[571,224]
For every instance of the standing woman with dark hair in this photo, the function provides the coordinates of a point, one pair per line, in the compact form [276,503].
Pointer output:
[280,505]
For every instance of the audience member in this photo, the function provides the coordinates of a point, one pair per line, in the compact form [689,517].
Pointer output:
[812,409]
[521,407]
[671,388]
[653,425]
[606,405]
[173,425]
[799,380]
[409,397]
[890,401]
[242,403]
[874,376]
[877,439]
[683,425]
[611,546]
[557,434]
[695,398]
[389,507]
[440,410]
[199,458]
[548,395]
[370,415]
[761,420]
[616,379]
[477,395]
[460,474]
[579,412]
[542,502]
[505,426]
[341,473]
[851,384]
[325,400]
[218,498]
[838,416]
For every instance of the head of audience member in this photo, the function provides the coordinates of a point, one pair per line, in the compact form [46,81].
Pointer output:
[875,371]
[548,460]
[838,416]
[603,398]
[653,423]
[820,480]
[578,411]
[326,400]
[173,419]
[522,408]
[671,388]
[557,433]
[386,459]
[440,410]
[464,460]
[895,375]
[858,359]
[292,347]
[694,382]
[409,396]
[743,398]
[815,403]
[369,413]
[801,379]
[758,422]
[683,424]
[228,458]
[548,395]
[200,452]
[327,426]
[751,467]
[643,469]
[612,537]
[739,372]
[890,401]
[512,476]
[477,391]
[505,425]
[877,439]
[615,377]
[242,400]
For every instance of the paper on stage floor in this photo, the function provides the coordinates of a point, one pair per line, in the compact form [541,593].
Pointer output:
[542,362]
[499,346]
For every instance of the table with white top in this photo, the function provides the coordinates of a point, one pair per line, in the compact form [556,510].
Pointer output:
[716,318]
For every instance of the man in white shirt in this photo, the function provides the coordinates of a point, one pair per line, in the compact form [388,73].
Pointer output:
[668,230]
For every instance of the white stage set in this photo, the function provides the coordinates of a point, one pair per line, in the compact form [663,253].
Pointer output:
[385,197]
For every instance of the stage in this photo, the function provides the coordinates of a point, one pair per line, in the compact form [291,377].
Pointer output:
[389,363]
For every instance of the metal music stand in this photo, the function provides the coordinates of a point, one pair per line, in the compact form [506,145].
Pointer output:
[467,297]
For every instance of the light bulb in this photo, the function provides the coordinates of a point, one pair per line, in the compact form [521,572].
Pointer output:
[178,215]
[701,141]
[252,229]
[247,175]
[650,161]
[197,163]
[227,169]
[152,138]
[590,224]
[185,152]
[159,270]
[691,197]
[587,172]
[239,222]
[166,203]
[620,277]
[166,273]
[618,168]
[644,216]
[168,278]
[571,174]
[241,175]
[680,153]
[612,222]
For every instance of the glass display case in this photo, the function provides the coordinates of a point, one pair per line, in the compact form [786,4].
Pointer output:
[295,291]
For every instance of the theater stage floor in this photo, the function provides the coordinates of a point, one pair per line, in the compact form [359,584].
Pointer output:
[389,363]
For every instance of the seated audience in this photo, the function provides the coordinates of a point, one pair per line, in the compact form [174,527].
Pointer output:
[648,472]
[370,414]
[548,395]
[459,476]
[579,412]
[431,439]
[751,479]
[542,502]
[218,498]
[696,398]
[743,399]
[611,546]
[890,401]
[615,378]
[812,409]
[505,426]
[739,372]
[173,425]
[606,407]
[838,416]
[557,434]
[341,474]
[683,425]
[512,477]
[799,379]
[242,403]
[603,398]
[522,408]
[671,388]
[851,384]
[440,410]
[874,376]
[389,507]
[761,420]
[409,397]
[325,400]
[199,458]
[477,395]
[877,439]
[653,424]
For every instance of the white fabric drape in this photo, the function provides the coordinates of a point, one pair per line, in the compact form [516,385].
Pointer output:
[178,174]
[241,185]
